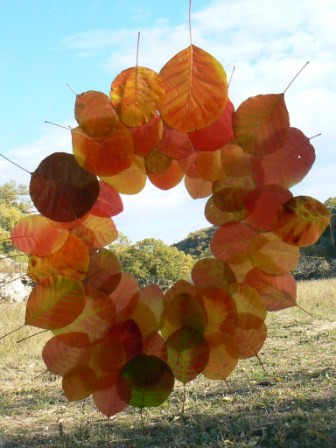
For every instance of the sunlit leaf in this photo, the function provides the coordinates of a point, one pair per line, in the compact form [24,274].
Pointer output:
[147,136]
[235,161]
[55,302]
[147,313]
[137,93]
[219,217]
[35,235]
[261,123]
[220,310]
[79,383]
[95,114]
[277,291]
[61,190]
[188,353]
[250,340]
[217,134]
[272,256]
[96,319]
[125,297]
[169,178]
[112,394]
[196,90]
[288,165]
[108,203]
[249,304]
[302,220]
[71,260]
[103,229]
[103,156]
[104,273]
[150,379]
[209,272]
[262,206]
[181,308]
[175,144]
[231,239]
[156,162]
[198,187]
[130,181]
[223,356]
[154,345]
[64,352]
[210,165]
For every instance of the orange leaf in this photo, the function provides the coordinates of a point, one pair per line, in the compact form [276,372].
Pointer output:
[302,220]
[217,134]
[220,310]
[169,178]
[71,260]
[249,304]
[112,394]
[96,319]
[130,181]
[147,314]
[223,356]
[272,256]
[35,235]
[236,162]
[261,123]
[188,353]
[197,187]
[277,291]
[250,340]
[103,229]
[219,217]
[210,165]
[104,271]
[61,190]
[54,303]
[231,239]
[209,272]
[125,297]
[196,90]
[156,162]
[79,383]
[95,114]
[66,351]
[182,309]
[103,156]
[137,93]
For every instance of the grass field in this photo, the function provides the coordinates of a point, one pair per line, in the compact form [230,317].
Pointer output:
[292,403]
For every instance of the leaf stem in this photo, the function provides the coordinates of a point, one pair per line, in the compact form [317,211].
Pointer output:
[16,164]
[301,69]
[190,34]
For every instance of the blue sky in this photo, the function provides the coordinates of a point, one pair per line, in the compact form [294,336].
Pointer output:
[46,44]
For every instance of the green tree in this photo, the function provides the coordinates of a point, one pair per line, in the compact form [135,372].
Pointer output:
[197,243]
[13,206]
[151,261]
[325,246]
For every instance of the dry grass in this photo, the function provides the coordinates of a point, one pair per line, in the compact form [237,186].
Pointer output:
[290,404]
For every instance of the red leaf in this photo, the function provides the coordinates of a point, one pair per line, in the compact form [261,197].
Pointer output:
[35,235]
[109,202]
[61,190]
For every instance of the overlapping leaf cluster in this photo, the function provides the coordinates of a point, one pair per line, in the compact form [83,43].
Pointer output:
[124,345]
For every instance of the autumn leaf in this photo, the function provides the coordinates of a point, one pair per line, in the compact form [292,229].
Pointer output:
[196,90]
